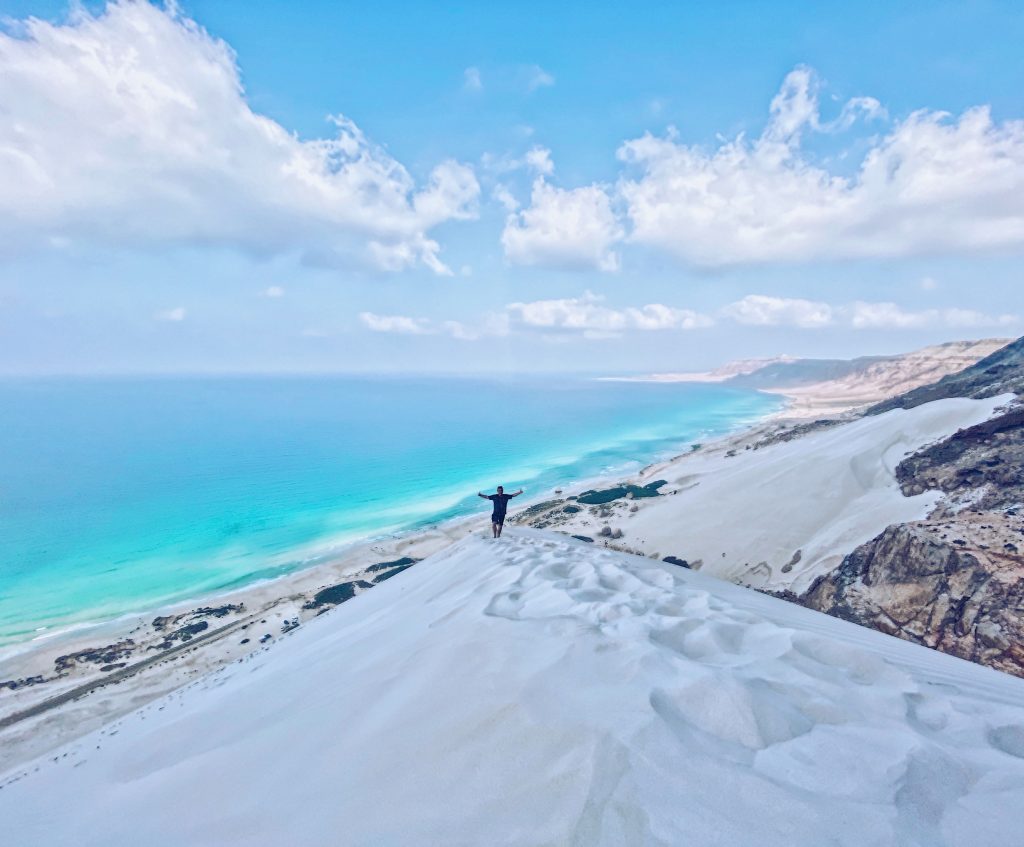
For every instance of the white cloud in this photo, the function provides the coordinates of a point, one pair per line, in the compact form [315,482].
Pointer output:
[131,128]
[539,160]
[760,310]
[587,315]
[933,184]
[173,315]
[572,229]
[505,197]
[489,325]
[537,77]
[890,316]
[274,291]
[471,80]
[928,283]
[395,323]
[583,315]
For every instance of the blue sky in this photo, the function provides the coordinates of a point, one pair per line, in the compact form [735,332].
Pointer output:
[589,187]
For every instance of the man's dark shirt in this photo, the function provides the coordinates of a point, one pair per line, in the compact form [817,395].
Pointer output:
[500,503]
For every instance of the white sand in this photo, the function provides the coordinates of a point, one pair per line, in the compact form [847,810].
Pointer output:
[743,518]
[541,691]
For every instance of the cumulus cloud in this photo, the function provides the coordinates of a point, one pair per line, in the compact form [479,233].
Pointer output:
[274,291]
[761,310]
[933,184]
[539,160]
[585,315]
[573,229]
[131,128]
[588,315]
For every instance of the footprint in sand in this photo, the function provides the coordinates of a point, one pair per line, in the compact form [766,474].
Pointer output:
[1008,739]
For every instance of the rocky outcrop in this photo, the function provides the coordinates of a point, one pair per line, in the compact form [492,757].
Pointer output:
[918,582]
[981,467]
[954,582]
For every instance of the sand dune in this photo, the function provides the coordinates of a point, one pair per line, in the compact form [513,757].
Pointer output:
[541,691]
[778,516]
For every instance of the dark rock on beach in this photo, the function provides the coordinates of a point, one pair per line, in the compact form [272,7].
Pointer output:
[164,622]
[95,655]
[536,510]
[218,611]
[15,684]
[675,560]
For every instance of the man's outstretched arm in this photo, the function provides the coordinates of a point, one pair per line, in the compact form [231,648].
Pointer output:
[479,494]
[520,491]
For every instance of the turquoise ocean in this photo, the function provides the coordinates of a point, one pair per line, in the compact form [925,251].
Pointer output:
[118,495]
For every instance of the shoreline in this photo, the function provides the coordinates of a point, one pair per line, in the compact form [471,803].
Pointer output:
[44,709]
[326,556]
[142,656]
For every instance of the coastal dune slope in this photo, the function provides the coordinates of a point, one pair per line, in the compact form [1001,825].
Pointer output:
[779,516]
[539,690]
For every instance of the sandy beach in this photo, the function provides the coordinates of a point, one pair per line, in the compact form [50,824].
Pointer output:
[53,690]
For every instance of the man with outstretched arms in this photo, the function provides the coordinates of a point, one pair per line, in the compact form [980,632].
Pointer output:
[500,501]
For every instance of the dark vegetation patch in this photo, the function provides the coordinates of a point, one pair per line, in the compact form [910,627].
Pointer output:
[596,497]
[181,634]
[335,594]
[404,562]
[536,510]
[388,574]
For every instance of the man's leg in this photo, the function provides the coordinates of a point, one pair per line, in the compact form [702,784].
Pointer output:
[495,530]
[500,524]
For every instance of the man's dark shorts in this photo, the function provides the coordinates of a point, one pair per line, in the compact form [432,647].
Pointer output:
[498,519]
